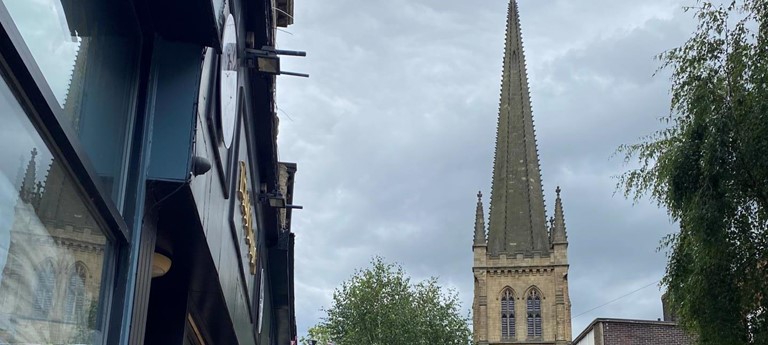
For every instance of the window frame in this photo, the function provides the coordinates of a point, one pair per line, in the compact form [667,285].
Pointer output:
[20,71]
[24,78]
[115,192]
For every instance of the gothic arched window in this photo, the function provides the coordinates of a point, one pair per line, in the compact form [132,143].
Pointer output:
[75,306]
[533,308]
[46,282]
[507,315]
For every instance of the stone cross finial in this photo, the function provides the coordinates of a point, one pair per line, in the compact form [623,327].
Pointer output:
[479,195]
[558,191]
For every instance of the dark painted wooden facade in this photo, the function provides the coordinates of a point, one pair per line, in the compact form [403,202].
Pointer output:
[186,191]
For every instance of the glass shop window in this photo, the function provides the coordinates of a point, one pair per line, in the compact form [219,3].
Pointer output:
[88,50]
[52,249]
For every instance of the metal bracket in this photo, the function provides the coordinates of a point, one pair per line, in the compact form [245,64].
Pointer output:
[267,60]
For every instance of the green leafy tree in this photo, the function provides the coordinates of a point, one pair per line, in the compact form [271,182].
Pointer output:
[709,168]
[320,334]
[380,306]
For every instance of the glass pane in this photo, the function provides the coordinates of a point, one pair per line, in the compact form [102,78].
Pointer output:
[504,329]
[51,247]
[537,326]
[87,51]
[530,326]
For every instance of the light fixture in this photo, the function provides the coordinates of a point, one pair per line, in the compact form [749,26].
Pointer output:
[200,165]
[161,264]
[276,200]
[267,60]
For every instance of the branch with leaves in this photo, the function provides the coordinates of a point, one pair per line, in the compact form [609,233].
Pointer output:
[381,306]
[709,169]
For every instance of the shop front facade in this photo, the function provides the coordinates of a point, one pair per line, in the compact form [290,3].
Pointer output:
[141,196]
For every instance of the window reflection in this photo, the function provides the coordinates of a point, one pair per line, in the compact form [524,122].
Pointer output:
[46,281]
[52,250]
[76,293]
[87,50]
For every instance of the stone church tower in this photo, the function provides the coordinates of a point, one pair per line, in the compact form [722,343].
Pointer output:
[521,268]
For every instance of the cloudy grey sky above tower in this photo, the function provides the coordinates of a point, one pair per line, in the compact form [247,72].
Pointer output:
[394,135]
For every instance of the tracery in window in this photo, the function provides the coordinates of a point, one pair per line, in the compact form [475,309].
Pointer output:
[507,314]
[533,307]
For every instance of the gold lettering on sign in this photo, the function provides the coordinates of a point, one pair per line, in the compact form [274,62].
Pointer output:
[247,214]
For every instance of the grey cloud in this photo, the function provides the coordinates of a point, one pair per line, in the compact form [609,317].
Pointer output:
[394,135]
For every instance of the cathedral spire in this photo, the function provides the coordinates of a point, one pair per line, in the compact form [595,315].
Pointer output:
[480,222]
[517,220]
[558,228]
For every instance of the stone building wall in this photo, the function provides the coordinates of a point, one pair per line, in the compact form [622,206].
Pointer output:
[547,274]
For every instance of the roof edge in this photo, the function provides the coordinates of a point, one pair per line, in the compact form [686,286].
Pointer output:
[614,320]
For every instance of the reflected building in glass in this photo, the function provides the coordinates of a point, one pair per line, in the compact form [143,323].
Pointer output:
[142,200]
[50,284]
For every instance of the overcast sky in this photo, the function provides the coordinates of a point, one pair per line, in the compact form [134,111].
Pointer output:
[394,132]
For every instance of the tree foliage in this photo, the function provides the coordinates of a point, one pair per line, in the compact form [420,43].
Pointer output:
[709,168]
[380,306]
[319,334]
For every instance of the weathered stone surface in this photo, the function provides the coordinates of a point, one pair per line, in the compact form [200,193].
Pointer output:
[517,222]
[519,253]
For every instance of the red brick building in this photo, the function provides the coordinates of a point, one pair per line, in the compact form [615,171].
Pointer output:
[632,332]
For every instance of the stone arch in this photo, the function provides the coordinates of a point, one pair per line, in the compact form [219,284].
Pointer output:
[505,288]
[82,268]
[533,288]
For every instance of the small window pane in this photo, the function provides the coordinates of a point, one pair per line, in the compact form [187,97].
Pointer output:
[531,327]
[504,329]
[52,250]
[87,50]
